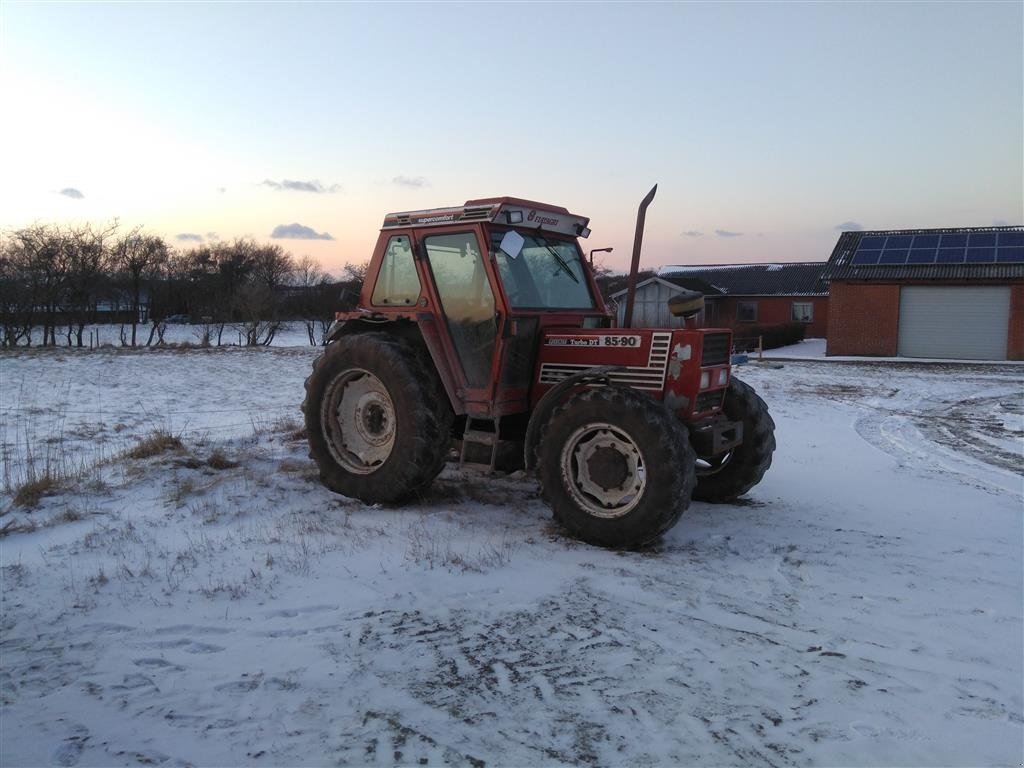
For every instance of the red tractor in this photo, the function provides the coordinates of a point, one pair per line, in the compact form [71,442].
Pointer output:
[483,323]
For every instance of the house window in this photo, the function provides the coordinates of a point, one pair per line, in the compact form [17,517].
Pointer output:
[709,316]
[803,312]
[746,312]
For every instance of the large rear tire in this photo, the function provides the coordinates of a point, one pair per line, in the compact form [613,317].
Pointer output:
[615,466]
[378,419]
[732,475]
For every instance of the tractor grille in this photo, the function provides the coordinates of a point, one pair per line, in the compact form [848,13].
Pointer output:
[707,401]
[716,349]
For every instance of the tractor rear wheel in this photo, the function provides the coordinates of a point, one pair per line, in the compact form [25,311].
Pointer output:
[378,420]
[615,466]
[728,477]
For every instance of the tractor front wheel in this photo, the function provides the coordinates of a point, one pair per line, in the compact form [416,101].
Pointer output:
[378,420]
[728,477]
[615,466]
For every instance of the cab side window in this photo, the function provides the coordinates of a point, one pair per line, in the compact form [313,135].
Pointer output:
[467,301]
[397,282]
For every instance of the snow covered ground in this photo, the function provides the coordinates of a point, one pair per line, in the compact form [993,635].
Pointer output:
[815,349]
[807,348]
[214,604]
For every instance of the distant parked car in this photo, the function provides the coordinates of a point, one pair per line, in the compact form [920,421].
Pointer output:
[177,319]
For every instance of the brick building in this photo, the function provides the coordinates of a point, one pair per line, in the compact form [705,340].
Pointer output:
[736,295]
[932,293]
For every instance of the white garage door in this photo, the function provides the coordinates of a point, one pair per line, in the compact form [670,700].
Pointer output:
[966,322]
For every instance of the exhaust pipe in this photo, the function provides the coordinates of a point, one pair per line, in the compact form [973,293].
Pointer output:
[638,238]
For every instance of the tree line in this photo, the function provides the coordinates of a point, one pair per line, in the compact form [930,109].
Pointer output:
[57,279]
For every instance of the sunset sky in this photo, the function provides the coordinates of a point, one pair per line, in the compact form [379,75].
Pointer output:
[768,127]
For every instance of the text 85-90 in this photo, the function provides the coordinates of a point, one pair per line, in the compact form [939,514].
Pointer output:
[620,341]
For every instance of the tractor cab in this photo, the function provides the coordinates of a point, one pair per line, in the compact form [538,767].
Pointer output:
[483,281]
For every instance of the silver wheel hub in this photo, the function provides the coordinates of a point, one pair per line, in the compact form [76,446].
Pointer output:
[358,420]
[705,467]
[603,469]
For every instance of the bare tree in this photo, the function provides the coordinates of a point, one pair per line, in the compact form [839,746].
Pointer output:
[138,258]
[272,266]
[257,301]
[311,280]
[351,284]
[202,294]
[38,263]
[88,254]
[14,304]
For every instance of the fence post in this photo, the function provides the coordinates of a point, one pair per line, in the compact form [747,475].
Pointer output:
[760,347]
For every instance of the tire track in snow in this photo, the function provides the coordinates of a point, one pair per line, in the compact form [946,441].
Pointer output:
[943,436]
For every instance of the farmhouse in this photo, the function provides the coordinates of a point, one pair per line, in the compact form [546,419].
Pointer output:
[933,293]
[736,295]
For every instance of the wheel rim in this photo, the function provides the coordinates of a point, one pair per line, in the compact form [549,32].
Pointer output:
[358,421]
[604,470]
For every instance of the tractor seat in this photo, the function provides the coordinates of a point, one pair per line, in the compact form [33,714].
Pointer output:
[686,303]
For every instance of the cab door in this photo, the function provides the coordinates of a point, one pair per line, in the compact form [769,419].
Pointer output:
[466,298]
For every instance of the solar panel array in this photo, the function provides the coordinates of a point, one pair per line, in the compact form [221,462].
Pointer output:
[944,248]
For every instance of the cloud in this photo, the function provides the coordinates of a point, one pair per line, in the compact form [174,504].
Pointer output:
[692,233]
[71,192]
[413,182]
[301,186]
[189,237]
[727,233]
[849,226]
[298,232]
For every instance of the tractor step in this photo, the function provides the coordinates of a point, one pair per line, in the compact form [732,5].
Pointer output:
[480,437]
[477,436]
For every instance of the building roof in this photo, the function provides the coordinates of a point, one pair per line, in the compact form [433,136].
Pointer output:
[1002,260]
[781,279]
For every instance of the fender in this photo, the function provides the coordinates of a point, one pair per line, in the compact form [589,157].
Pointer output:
[421,331]
[551,398]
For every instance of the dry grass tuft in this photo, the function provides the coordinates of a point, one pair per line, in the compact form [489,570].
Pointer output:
[157,443]
[69,515]
[218,460]
[290,465]
[180,489]
[17,526]
[29,493]
[287,424]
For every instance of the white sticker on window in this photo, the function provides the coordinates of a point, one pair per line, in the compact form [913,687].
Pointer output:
[512,244]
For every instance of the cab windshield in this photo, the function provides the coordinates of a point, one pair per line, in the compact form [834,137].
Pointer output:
[545,274]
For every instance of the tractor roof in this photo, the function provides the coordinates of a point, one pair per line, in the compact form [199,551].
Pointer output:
[500,210]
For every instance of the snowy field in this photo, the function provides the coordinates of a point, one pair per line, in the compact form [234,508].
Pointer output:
[213,605]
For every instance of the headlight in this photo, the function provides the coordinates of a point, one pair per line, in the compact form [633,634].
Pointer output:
[723,377]
[705,379]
